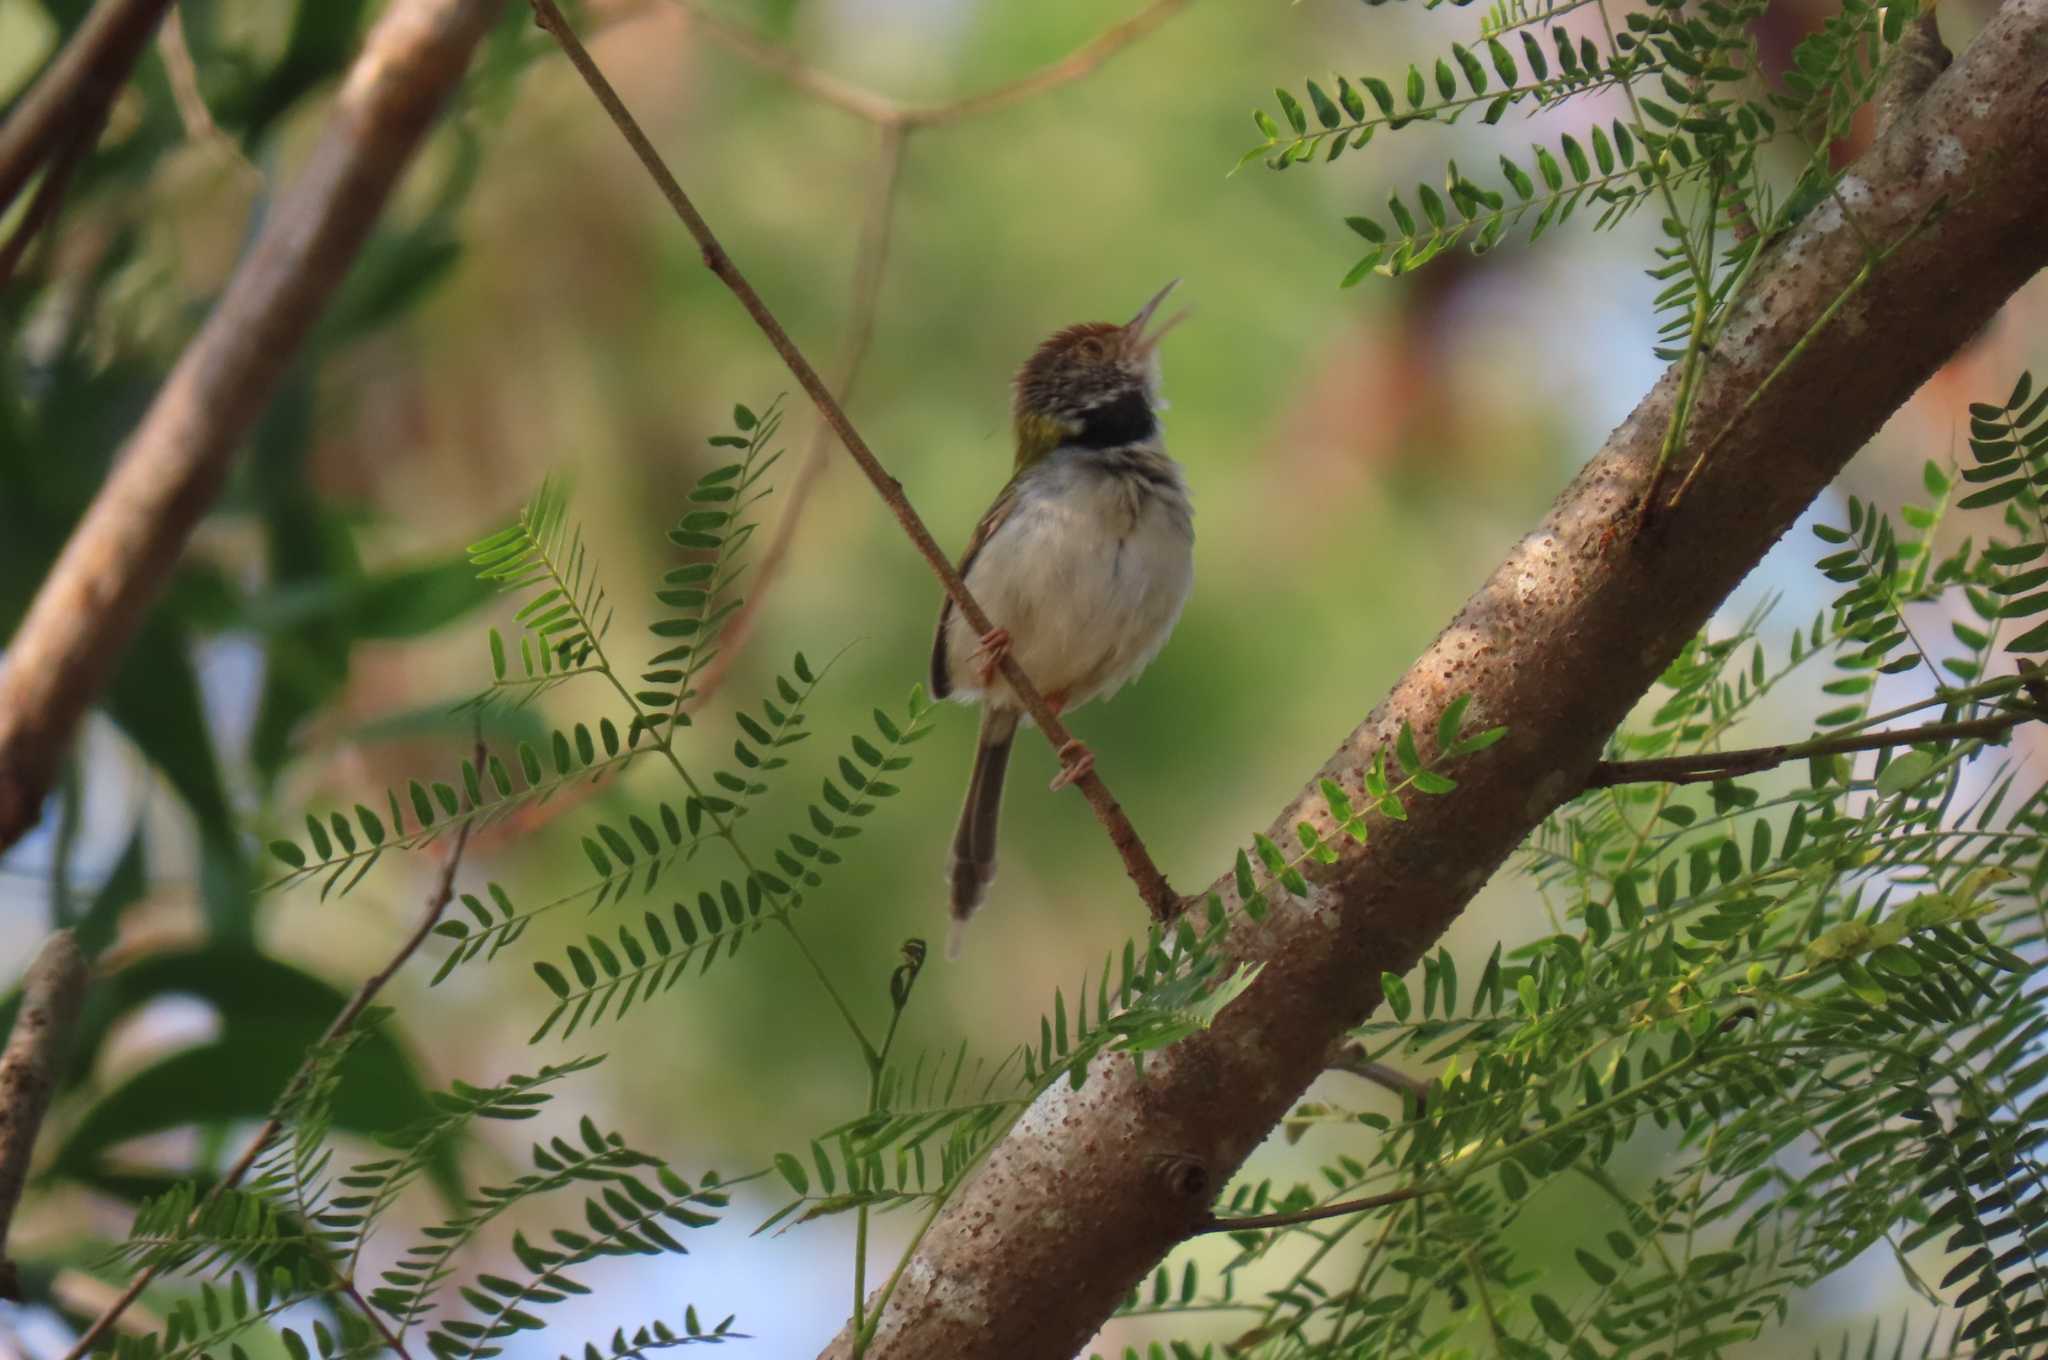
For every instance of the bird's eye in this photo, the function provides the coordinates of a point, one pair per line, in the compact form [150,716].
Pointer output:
[1090,349]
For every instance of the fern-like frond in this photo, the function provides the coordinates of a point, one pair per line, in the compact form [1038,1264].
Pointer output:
[626,1216]
[600,978]
[410,1285]
[488,794]
[698,599]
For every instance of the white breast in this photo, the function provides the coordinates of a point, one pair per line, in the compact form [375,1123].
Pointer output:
[1088,573]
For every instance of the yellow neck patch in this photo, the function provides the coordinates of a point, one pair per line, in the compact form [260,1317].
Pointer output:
[1038,435]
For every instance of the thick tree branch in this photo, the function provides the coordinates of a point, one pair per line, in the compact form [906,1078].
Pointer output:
[1071,1209]
[124,549]
[1151,884]
[1708,766]
[52,993]
[437,902]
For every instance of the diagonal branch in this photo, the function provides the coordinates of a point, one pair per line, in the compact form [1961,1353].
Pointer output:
[1071,1209]
[880,109]
[344,1020]
[1708,766]
[52,994]
[1152,885]
[126,546]
[75,90]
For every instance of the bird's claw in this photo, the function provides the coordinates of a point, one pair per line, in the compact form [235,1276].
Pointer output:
[988,658]
[1076,762]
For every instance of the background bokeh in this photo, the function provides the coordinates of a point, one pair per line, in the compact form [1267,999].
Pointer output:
[1360,460]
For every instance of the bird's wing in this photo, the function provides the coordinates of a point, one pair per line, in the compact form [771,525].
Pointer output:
[941,677]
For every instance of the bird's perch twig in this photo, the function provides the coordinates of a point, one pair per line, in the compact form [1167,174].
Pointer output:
[52,994]
[437,902]
[1070,1209]
[894,124]
[1708,766]
[1152,885]
[172,466]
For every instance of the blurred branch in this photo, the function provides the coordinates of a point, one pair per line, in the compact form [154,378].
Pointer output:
[437,902]
[1709,766]
[876,108]
[868,268]
[1070,1210]
[1352,1059]
[75,90]
[1336,1209]
[52,994]
[1151,884]
[57,123]
[183,74]
[172,466]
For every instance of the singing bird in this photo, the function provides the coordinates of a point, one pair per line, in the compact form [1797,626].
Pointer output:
[1082,564]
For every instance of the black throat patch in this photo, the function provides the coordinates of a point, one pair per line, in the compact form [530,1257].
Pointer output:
[1124,419]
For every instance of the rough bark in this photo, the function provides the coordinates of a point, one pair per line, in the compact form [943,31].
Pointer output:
[1093,1186]
[172,467]
[52,994]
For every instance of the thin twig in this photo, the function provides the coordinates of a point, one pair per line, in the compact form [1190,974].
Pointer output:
[869,267]
[887,112]
[1080,62]
[52,994]
[1712,765]
[183,74]
[1260,1222]
[437,902]
[1351,1058]
[74,145]
[1151,884]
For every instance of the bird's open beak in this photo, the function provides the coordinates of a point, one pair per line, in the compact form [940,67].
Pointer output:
[1144,343]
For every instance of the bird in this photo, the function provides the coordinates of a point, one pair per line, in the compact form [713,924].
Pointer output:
[1082,564]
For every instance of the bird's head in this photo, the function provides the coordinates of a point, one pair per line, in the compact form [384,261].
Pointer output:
[1095,385]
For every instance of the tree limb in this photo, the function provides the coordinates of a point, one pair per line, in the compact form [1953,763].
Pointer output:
[52,994]
[171,468]
[76,89]
[1151,884]
[1070,1210]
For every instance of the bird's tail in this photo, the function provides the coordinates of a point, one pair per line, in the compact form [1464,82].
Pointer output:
[974,843]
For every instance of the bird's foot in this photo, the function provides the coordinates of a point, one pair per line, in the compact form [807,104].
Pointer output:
[988,658]
[1076,762]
